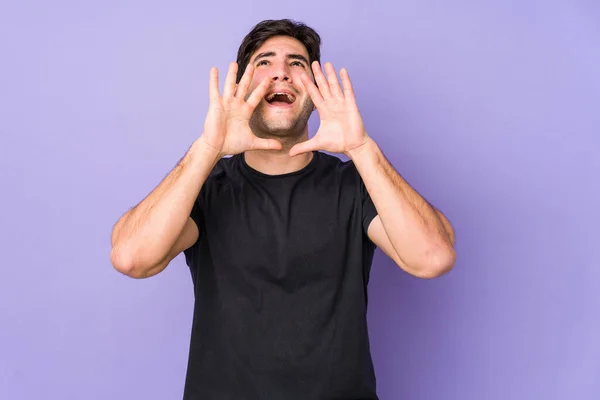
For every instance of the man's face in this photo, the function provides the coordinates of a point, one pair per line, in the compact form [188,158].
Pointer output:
[286,108]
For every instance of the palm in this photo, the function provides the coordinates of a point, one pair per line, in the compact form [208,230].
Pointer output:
[228,119]
[227,126]
[341,128]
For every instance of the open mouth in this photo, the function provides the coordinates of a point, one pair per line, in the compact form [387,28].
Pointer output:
[280,98]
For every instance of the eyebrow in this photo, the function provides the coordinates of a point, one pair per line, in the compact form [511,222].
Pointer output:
[289,56]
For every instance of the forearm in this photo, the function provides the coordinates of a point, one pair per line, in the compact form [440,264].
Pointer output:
[422,237]
[143,237]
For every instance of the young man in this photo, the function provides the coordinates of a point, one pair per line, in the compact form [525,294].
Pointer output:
[280,236]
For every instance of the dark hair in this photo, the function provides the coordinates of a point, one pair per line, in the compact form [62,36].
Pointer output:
[283,27]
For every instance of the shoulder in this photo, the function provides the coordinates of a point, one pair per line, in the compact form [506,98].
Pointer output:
[224,171]
[223,174]
[335,166]
[223,168]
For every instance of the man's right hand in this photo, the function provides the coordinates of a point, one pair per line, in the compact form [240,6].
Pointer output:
[227,128]
[147,237]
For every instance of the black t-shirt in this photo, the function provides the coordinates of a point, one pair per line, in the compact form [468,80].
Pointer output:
[280,273]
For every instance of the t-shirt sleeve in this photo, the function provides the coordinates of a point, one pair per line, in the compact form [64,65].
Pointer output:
[368,208]
[197,215]
[198,209]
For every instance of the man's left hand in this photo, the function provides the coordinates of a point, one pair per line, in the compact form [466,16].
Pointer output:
[341,129]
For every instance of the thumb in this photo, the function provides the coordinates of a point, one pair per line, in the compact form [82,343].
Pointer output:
[304,147]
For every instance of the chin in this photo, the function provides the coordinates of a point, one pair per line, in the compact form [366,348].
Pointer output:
[285,124]
[280,127]
[274,127]
[278,130]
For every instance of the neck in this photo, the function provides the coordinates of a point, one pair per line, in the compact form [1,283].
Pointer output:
[278,162]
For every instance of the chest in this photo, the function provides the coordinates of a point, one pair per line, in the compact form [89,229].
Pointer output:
[284,233]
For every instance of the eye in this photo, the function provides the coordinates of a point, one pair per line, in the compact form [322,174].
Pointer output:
[298,64]
[262,62]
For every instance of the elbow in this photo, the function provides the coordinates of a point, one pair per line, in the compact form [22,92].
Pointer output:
[123,262]
[439,263]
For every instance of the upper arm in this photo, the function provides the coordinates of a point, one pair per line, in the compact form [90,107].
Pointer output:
[188,236]
[379,237]
[186,239]
[447,225]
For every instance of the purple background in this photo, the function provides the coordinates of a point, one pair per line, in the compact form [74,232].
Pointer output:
[491,111]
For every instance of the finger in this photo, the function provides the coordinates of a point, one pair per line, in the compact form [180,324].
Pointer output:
[321,81]
[334,84]
[242,88]
[213,87]
[258,93]
[304,147]
[229,88]
[266,144]
[313,91]
[347,83]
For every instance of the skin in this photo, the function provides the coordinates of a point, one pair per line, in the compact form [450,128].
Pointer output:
[277,61]
[274,140]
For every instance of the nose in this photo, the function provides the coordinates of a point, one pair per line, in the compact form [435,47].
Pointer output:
[280,73]
[281,77]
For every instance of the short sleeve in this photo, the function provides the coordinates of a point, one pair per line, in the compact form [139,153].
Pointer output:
[196,214]
[368,208]
[192,253]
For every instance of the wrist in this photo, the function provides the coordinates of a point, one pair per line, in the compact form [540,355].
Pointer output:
[200,151]
[368,148]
